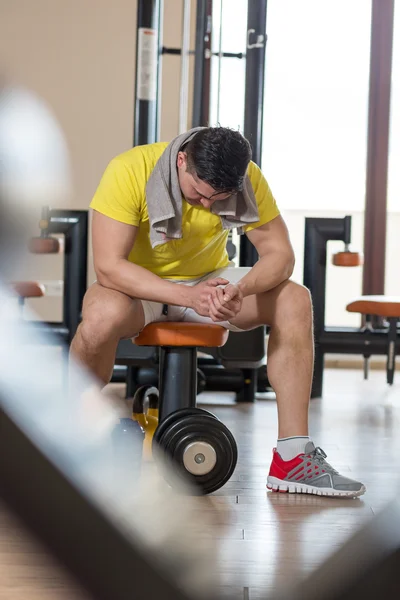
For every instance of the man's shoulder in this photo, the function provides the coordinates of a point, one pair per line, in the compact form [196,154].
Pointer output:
[258,179]
[141,156]
[253,171]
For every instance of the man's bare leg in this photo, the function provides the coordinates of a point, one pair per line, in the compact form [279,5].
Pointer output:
[107,317]
[297,465]
[288,310]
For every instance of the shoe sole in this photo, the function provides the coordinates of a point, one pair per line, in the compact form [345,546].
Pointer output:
[278,485]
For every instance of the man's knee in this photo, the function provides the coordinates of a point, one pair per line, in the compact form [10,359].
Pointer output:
[296,303]
[107,317]
[302,296]
[96,330]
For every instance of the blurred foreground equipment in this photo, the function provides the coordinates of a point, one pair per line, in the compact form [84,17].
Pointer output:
[122,531]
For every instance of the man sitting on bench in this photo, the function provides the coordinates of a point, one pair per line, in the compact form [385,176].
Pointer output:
[161,218]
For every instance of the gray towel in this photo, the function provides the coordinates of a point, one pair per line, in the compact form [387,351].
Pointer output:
[164,198]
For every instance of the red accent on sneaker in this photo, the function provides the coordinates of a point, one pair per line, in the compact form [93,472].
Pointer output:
[308,464]
[280,468]
[309,470]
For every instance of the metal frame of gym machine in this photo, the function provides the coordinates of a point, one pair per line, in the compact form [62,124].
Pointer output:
[229,370]
[246,372]
[73,224]
[343,340]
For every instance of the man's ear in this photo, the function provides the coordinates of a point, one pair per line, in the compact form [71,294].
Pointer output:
[181,160]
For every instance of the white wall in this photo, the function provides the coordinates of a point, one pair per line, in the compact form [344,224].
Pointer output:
[79,57]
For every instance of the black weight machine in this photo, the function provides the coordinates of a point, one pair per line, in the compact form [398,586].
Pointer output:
[336,340]
[73,224]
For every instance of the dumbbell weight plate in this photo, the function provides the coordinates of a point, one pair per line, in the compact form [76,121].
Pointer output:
[176,415]
[203,449]
[185,441]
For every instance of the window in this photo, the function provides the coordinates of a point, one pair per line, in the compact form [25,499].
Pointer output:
[228,74]
[316,103]
[315,126]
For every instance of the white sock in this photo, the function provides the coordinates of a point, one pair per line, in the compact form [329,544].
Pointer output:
[290,447]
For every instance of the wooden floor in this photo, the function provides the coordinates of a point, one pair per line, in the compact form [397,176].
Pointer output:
[264,538]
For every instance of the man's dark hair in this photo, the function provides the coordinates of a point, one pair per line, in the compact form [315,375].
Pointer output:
[220,157]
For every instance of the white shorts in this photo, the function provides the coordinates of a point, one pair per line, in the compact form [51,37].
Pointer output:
[153,311]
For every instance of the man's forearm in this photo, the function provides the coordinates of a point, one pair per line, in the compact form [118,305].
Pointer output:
[271,270]
[138,282]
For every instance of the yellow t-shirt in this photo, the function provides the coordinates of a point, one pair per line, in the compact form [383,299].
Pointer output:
[121,195]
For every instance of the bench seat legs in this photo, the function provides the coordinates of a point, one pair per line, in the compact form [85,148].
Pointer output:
[178,379]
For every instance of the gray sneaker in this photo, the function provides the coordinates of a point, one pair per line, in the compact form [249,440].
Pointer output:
[309,473]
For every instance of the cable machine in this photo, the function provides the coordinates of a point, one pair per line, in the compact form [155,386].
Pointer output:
[244,372]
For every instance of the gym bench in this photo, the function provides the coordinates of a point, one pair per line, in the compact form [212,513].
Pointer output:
[387,307]
[200,446]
